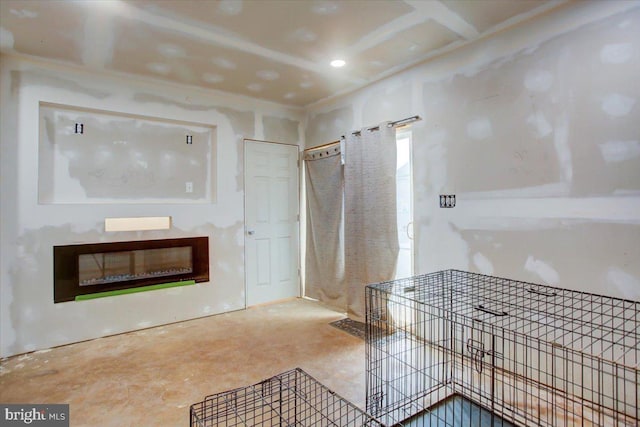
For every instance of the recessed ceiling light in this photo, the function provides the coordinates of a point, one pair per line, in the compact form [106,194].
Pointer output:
[338,63]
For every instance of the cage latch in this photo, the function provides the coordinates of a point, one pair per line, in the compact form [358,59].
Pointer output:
[376,315]
[267,387]
[541,293]
[374,403]
[476,348]
[489,311]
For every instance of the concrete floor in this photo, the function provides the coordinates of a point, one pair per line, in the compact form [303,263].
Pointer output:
[151,377]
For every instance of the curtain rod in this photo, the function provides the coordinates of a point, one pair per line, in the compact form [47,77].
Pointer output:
[397,123]
[328,144]
[400,122]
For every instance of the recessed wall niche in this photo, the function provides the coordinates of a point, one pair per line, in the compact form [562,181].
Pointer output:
[94,156]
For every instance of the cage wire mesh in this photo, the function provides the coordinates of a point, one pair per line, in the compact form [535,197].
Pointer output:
[454,348]
[292,398]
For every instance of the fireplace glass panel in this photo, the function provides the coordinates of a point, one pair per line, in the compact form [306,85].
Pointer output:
[111,267]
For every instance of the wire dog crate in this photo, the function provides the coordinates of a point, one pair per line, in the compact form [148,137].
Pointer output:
[498,352]
[292,398]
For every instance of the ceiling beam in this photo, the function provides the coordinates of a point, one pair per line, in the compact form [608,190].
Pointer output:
[220,37]
[386,32]
[444,16]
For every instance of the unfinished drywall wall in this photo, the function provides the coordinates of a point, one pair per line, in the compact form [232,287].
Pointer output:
[280,130]
[328,127]
[536,131]
[88,156]
[29,320]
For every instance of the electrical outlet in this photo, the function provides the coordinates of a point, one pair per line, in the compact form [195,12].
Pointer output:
[189,187]
[447,200]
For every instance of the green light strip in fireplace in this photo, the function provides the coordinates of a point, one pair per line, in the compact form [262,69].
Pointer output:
[134,290]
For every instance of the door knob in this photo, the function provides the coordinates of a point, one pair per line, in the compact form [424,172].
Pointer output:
[250,232]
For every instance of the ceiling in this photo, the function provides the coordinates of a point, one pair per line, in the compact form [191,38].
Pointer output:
[277,50]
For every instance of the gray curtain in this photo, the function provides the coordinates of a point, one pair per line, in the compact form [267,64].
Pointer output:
[324,261]
[370,225]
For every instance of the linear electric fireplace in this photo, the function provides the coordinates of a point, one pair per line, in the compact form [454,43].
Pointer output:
[103,269]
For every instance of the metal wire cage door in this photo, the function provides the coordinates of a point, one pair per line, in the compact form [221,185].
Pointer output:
[292,398]
[464,349]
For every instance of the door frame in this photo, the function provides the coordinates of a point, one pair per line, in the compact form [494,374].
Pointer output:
[244,219]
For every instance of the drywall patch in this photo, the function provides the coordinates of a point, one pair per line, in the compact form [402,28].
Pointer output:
[540,124]
[625,283]
[230,7]
[619,151]
[327,127]
[144,97]
[304,35]
[20,79]
[618,53]
[325,7]
[543,270]
[170,50]
[436,149]
[6,39]
[31,284]
[387,103]
[268,75]
[225,63]
[483,264]
[584,269]
[479,129]
[280,130]
[244,126]
[617,105]
[563,150]
[24,13]
[159,68]
[98,39]
[625,23]
[432,255]
[212,78]
[538,80]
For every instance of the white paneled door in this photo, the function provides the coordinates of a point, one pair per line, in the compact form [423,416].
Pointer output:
[271,222]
